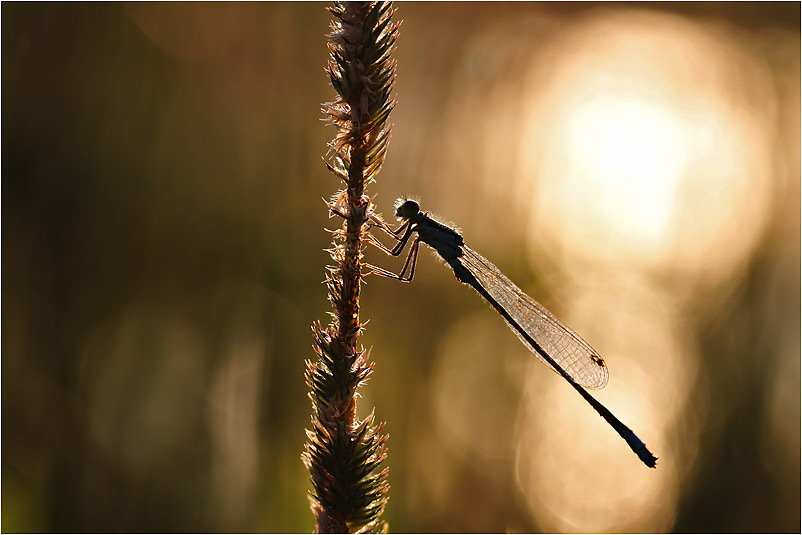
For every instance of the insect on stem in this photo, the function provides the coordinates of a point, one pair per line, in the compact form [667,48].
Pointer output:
[549,339]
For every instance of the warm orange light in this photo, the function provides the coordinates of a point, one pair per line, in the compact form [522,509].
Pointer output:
[639,156]
[639,152]
[628,154]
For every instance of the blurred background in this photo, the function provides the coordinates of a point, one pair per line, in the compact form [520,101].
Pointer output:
[634,167]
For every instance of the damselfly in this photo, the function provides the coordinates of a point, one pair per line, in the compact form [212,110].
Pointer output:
[541,332]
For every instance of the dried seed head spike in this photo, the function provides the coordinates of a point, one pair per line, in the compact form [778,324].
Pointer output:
[343,455]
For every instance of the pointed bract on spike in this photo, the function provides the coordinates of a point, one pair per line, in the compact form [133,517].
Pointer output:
[362,73]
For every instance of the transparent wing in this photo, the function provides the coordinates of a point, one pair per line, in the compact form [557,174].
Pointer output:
[567,348]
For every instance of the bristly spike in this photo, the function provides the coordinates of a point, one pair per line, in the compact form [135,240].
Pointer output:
[343,454]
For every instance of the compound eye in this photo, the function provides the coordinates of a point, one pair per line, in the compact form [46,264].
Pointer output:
[408,209]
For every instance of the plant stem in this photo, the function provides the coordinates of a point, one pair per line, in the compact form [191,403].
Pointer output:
[343,454]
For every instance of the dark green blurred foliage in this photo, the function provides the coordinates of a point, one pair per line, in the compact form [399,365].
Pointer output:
[161,189]
[162,240]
